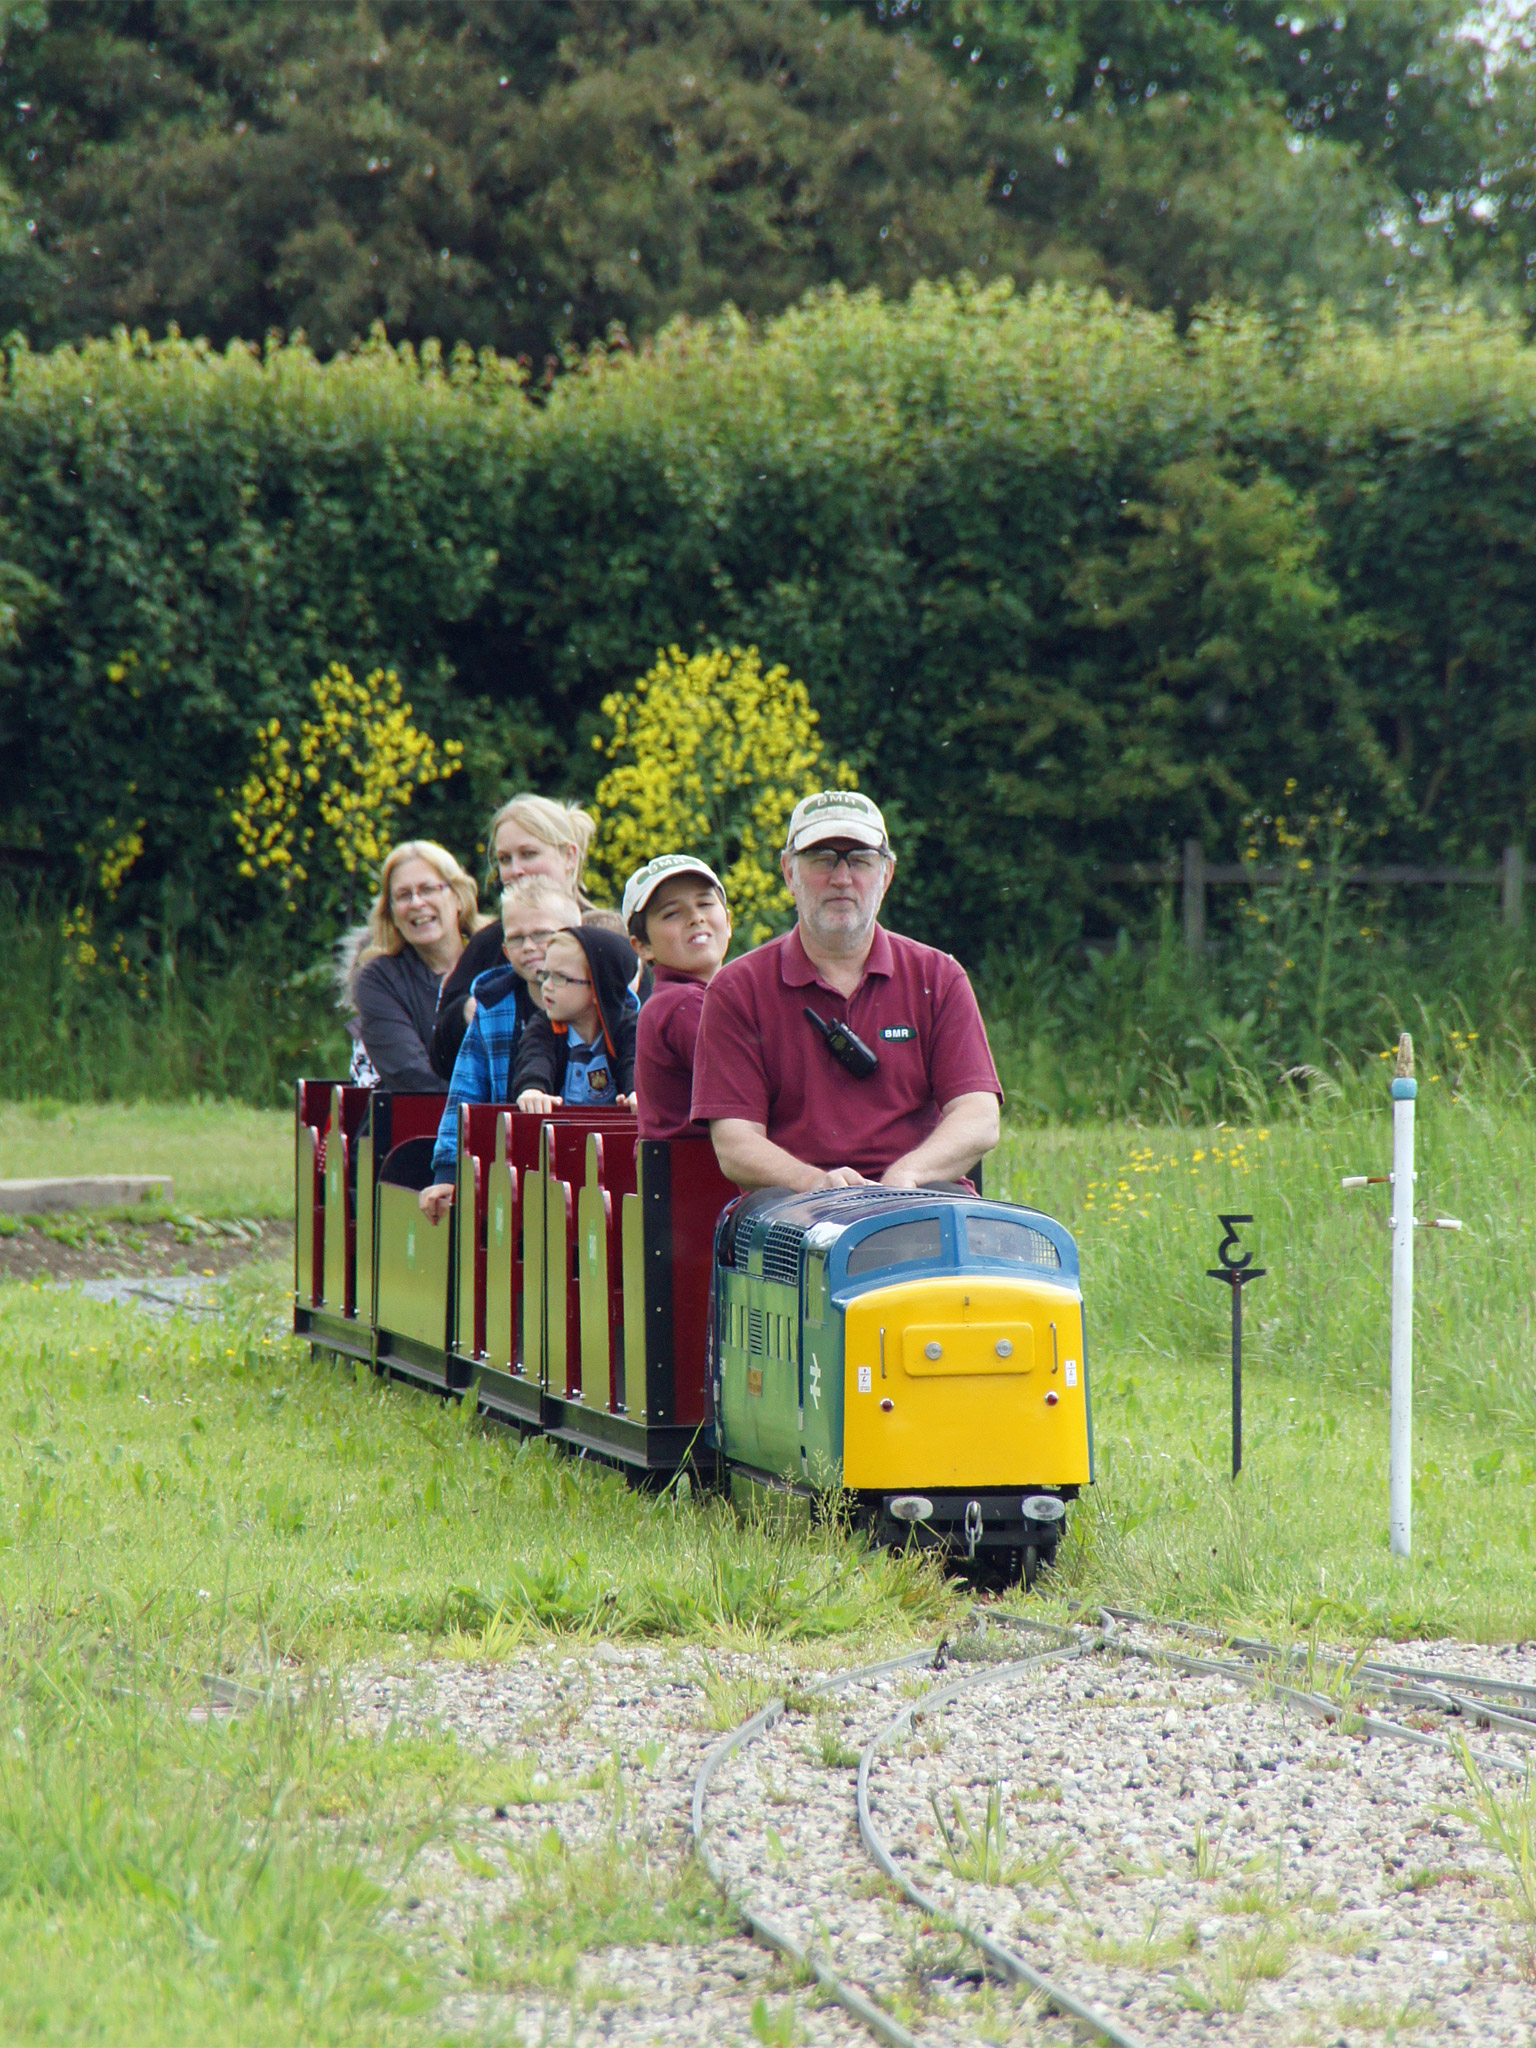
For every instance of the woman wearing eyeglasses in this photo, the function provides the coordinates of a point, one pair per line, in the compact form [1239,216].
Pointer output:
[422,919]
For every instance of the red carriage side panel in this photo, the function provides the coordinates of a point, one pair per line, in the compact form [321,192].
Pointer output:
[699,1191]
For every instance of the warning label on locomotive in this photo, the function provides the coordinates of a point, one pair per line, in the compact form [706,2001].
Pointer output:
[866,1379]
[1071,1372]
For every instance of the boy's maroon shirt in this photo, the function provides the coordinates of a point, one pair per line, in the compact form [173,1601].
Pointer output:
[664,1044]
[760,1059]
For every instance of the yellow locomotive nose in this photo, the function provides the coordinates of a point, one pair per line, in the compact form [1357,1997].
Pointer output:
[971,1381]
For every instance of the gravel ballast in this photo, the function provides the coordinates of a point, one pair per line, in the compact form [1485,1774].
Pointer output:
[1200,1861]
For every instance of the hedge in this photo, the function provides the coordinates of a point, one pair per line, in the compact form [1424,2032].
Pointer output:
[1065,586]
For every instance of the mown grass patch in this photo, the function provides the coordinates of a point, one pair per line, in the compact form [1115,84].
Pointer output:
[225,1159]
[200,1480]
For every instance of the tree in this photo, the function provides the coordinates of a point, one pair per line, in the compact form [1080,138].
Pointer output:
[523,174]
[1407,127]
[512,177]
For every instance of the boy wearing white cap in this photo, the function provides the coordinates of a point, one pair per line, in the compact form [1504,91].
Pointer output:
[677,917]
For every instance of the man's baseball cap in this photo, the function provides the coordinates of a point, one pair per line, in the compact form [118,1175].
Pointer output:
[835,814]
[644,882]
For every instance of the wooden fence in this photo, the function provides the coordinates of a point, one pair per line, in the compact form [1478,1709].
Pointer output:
[1199,875]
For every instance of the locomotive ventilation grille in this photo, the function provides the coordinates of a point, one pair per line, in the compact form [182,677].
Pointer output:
[1041,1251]
[781,1253]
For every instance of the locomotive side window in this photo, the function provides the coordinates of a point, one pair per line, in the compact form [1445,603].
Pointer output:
[995,1237]
[899,1244]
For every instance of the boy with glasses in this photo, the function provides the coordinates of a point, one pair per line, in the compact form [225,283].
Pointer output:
[503,1001]
[581,1051]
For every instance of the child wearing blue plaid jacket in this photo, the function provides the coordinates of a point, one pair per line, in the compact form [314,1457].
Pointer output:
[533,909]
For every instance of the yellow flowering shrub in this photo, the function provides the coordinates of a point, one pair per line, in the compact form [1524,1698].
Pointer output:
[321,806]
[710,753]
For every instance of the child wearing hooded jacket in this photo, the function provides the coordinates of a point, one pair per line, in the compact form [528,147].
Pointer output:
[581,1050]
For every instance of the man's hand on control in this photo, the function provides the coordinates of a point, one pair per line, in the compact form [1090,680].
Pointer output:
[840,1177]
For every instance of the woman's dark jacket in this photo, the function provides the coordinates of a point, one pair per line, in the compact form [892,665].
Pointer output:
[396,997]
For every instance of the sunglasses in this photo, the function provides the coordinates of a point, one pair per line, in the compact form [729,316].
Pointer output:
[824,863]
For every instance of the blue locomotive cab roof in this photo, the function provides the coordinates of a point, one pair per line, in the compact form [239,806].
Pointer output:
[872,1235]
[931,1238]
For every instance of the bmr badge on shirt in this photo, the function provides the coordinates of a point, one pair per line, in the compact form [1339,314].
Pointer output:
[897,1034]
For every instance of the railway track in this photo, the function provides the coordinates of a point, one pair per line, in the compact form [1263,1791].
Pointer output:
[816,1864]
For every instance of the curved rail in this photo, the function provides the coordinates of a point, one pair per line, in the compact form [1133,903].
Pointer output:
[1007,1962]
[848,1996]
[1454,1694]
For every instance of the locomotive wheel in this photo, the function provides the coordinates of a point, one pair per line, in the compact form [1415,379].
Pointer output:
[1031,1564]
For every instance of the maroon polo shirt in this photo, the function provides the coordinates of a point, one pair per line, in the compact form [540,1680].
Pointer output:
[664,1043]
[760,1058]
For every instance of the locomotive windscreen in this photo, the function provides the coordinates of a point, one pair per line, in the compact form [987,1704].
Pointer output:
[995,1237]
[899,1244]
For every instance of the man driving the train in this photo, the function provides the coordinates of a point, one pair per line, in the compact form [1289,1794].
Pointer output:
[842,1052]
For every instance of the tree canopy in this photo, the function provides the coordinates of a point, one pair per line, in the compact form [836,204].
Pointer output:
[523,174]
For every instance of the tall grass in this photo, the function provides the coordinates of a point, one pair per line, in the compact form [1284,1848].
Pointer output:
[1302,983]
[158,1021]
[1296,993]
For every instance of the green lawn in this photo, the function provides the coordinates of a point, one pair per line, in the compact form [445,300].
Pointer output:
[225,1159]
[195,1497]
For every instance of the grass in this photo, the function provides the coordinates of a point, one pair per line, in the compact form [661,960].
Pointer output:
[1507,1823]
[139,1015]
[224,1159]
[144,1470]
[186,1499]
[183,1500]
[1300,1540]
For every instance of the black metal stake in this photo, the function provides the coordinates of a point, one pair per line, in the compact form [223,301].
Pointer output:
[1236,1272]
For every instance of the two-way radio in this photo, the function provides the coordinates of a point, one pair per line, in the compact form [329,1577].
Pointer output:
[845,1046]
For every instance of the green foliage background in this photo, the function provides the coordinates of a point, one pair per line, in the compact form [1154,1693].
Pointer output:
[1065,586]
[520,173]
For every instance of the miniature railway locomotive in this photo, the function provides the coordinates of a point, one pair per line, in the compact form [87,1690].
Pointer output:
[921,1355]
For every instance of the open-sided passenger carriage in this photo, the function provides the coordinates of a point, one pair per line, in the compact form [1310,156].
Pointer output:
[569,1287]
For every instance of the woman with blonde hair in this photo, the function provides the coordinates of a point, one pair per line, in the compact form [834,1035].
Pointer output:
[529,835]
[422,920]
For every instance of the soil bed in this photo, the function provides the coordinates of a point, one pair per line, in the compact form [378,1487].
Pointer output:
[114,1246]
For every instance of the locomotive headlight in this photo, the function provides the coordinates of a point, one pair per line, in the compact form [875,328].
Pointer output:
[911,1507]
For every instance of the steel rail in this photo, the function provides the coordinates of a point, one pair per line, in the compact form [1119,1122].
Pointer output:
[1465,1681]
[1319,1705]
[1007,1962]
[769,1932]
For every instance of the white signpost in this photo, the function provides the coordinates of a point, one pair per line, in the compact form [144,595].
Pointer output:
[1403,1223]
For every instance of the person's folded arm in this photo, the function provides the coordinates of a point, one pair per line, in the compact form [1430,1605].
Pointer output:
[967,1130]
[748,1157]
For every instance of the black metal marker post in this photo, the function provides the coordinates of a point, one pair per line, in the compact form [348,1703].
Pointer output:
[1236,1273]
